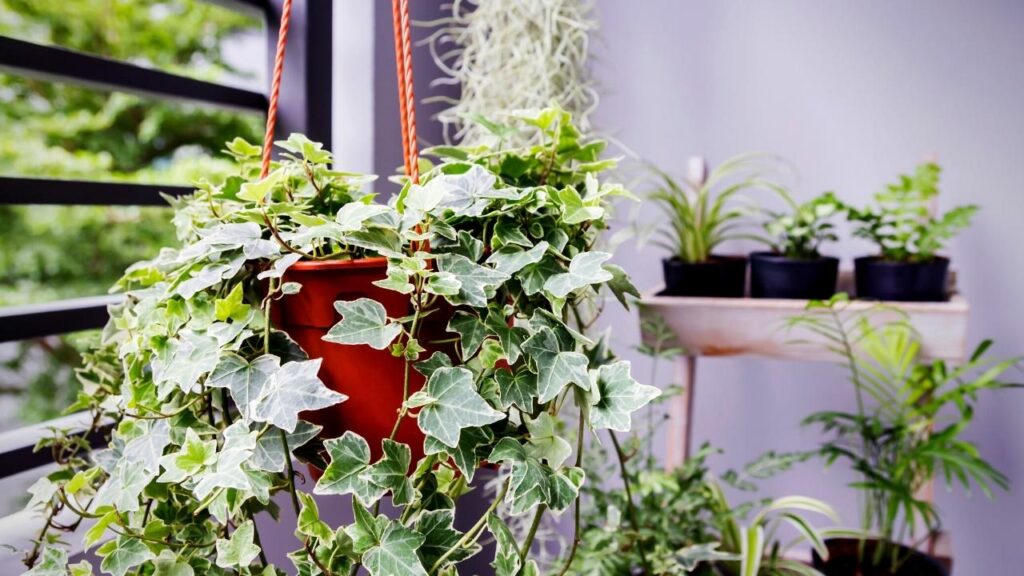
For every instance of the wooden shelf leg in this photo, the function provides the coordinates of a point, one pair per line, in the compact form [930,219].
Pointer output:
[680,424]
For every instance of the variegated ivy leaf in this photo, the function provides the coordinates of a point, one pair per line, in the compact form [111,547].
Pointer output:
[42,490]
[293,389]
[309,522]
[388,548]
[226,471]
[464,454]
[511,259]
[518,388]
[449,403]
[279,267]
[478,283]
[508,232]
[238,550]
[464,194]
[390,472]
[471,332]
[443,284]
[52,562]
[146,449]
[533,276]
[621,285]
[123,488]
[186,359]
[528,482]
[576,210]
[123,554]
[209,275]
[168,563]
[584,269]
[440,536]
[555,369]
[511,338]
[506,556]
[269,455]
[436,360]
[363,321]
[564,487]
[545,442]
[347,471]
[615,395]
[245,380]
[351,216]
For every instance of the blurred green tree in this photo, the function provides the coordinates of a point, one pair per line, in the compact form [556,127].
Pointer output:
[53,130]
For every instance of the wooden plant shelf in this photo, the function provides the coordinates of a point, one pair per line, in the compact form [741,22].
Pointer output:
[758,327]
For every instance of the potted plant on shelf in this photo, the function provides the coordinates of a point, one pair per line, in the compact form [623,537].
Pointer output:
[908,428]
[208,401]
[909,237]
[795,268]
[703,212]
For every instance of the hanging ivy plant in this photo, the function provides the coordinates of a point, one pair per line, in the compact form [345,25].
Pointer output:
[206,399]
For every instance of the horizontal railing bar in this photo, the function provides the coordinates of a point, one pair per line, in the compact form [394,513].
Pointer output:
[60,317]
[52,63]
[16,190]
[17,447]
[255,6]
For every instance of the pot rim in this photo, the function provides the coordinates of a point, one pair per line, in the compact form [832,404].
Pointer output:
[775,256]
[713,259]
[877,260]
[340,264]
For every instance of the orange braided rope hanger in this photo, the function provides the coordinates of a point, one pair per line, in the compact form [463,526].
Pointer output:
[406,94]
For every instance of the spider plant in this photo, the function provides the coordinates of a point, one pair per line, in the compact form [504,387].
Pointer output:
[710,207]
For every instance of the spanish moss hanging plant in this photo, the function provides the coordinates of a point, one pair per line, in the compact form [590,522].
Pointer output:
[527,54]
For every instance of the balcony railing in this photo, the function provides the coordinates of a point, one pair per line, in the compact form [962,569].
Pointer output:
[305,106]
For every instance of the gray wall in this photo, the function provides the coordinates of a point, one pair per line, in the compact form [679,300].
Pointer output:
[853,93]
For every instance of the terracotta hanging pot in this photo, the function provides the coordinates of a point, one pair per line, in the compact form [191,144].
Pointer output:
[372,379]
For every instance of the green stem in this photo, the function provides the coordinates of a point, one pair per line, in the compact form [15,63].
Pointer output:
[473,533]
[630,507]
[291,472]
[528,543]
[576,519]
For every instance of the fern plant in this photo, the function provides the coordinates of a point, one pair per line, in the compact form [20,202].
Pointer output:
[901,223]
[910,418]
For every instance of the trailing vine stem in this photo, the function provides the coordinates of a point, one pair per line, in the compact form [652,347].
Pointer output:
[576,512]
[528,543]
[474,532]
[630,507]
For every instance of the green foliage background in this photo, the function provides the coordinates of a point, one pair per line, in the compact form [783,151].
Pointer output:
[54,130]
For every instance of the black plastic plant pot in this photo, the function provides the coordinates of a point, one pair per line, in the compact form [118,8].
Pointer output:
[879,279]
[853,557]
[776,276]
[721,276]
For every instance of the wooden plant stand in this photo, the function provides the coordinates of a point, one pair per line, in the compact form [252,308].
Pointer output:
[749,326]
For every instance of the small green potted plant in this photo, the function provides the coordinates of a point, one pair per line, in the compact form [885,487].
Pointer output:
[909,237]
[795,268]
[908,428]
[703,212]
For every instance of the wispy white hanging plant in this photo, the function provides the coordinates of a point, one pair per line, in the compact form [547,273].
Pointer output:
[511,56]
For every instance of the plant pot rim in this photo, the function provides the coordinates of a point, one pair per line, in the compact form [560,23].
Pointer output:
[775,256]
[712,259]
[879,261]
[340,264]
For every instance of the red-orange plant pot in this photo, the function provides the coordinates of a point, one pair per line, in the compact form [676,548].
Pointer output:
[372,379]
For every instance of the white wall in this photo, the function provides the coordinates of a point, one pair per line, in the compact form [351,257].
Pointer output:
[853,93]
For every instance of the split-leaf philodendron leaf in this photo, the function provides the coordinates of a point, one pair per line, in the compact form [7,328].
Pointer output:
[211,401]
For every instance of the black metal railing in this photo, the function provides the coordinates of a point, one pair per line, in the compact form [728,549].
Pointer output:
[305,105]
